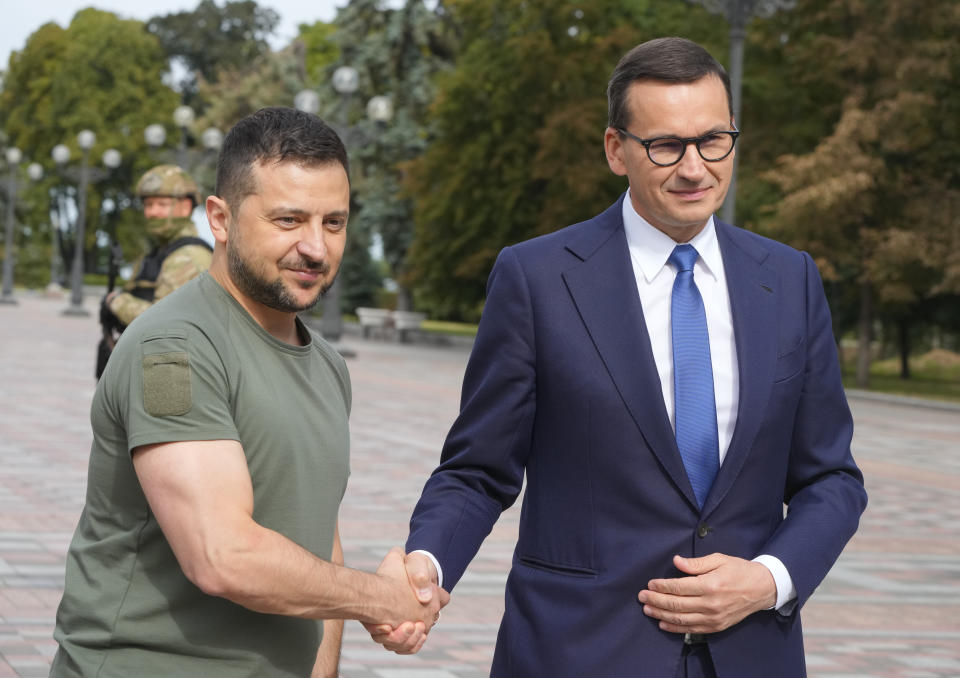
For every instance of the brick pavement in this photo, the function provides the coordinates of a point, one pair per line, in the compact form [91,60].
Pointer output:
[890,607]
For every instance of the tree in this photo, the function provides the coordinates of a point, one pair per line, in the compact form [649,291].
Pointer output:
[272,80]
[100,73]
[396,53]
[213,38]
[876,201]
[317,48]
[519,125]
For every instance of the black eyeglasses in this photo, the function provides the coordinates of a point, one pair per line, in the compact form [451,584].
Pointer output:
[667,151]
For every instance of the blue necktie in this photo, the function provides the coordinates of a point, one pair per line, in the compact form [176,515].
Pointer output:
[695,410]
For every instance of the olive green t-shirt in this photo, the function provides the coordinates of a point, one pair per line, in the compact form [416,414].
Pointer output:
[196,366]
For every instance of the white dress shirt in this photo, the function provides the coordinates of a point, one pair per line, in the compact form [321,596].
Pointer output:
[649,250]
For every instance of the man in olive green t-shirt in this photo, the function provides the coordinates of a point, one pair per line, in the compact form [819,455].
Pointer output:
[208,544]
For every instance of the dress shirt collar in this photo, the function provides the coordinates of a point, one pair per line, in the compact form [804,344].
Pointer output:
[650,247]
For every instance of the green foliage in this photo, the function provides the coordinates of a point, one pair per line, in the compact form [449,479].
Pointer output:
[319,50]
[212,38]
[272,80]
[100,73]
[518,147]
[876,200]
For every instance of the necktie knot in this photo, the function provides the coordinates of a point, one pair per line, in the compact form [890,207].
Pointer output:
[684,257]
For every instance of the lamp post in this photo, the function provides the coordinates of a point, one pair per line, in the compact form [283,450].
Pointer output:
[183,117]
[14,157]
[111,159]
[85,140]
[380,109]
[154,135]
[738,14]
[212,139]
[61,156]
[346,81]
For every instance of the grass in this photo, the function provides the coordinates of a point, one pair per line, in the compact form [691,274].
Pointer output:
[443,327]
[935,374]
[438,326]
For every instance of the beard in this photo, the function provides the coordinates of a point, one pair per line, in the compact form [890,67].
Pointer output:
[250,280]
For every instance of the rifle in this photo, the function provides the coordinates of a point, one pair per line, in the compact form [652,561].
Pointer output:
[110,325]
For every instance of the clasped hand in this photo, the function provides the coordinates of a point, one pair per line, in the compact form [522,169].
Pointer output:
[421,600]
[721,591]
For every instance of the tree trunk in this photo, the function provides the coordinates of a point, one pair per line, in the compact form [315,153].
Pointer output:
[903,325]
[863,335]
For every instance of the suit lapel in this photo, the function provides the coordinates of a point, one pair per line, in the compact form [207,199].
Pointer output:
[753,291]
[603,287]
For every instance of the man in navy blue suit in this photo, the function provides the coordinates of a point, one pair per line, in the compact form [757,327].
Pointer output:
[668,384]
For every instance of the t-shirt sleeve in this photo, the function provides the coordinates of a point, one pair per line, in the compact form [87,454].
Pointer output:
[177,389]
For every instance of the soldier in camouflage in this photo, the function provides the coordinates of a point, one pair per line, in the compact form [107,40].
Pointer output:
[176,252]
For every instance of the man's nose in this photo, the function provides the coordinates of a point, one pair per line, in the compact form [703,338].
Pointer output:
[313,244]
[691,165]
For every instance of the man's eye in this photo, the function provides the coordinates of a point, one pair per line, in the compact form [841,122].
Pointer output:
[666,145]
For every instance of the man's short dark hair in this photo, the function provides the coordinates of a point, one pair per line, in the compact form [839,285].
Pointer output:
[276,134]
[663,60]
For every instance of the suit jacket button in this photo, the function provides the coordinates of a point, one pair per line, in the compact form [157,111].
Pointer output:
[703,530]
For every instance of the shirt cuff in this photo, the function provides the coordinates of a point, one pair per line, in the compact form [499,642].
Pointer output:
[436,564]
[786,591]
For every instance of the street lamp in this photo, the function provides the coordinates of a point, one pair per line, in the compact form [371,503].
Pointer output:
[61,156]
[380,109]
[738,14]
[346,81]
[212,139]
[183,117]
[111,158]
[14,156]
[155,135]
[307,101]
[85,140]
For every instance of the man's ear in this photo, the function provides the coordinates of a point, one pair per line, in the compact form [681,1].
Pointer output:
[613,147]
[218,216]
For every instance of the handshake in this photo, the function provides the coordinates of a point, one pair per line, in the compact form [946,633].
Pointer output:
[415,600]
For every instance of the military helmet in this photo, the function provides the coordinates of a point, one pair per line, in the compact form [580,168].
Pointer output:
[168,181]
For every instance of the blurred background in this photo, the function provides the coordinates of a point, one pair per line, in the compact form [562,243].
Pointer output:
[474,124]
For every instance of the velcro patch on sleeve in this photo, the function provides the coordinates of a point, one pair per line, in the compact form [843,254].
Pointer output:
[166,384]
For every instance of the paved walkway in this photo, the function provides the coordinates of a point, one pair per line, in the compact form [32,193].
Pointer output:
[890,607]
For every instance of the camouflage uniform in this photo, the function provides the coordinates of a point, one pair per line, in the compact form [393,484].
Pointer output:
[180,265]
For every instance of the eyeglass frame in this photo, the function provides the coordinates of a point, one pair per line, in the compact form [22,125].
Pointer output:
[686,141]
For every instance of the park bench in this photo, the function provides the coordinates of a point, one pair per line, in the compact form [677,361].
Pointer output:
[407,322]
[373,321]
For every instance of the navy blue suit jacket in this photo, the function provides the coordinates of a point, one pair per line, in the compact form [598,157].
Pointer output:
[562,386]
